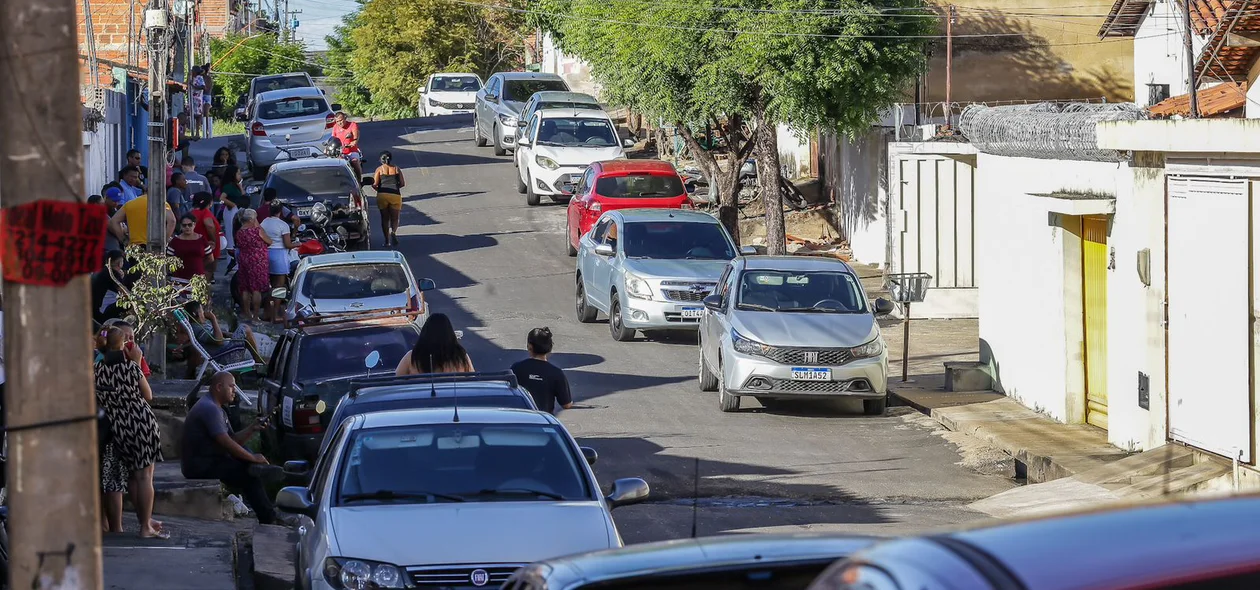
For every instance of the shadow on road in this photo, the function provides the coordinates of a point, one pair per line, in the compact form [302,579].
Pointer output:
[447,195]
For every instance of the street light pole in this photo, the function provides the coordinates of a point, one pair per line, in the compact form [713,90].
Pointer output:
[53,480]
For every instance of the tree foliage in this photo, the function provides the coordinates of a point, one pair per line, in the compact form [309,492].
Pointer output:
[807,64]
[149,303]
[384,52]
[240,58]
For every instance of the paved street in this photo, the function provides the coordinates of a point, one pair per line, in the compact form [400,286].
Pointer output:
[501,270]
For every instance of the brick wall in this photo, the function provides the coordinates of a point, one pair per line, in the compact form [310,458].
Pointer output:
[110,24]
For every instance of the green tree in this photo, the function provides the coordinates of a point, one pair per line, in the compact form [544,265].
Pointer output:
[149,304]
[239,59]
[384,52]
[807,64]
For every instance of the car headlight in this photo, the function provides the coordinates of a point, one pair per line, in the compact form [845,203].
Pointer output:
[360,574]
[637,287]
[745,345]
[546,162]
[868,350]
[434,103]
[507,120]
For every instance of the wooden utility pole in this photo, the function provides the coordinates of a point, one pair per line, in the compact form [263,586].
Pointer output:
[53,469]
[1189,42]
[157,30]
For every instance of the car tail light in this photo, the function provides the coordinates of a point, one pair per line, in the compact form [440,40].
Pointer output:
[329,121]
[595,206]
[306,419]
[257,129]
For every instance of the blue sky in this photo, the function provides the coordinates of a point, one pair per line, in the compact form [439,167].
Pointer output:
[318,19]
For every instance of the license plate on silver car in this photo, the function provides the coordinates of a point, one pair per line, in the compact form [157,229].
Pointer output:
[304,211]
[810,374]
[301,152]
[692,312]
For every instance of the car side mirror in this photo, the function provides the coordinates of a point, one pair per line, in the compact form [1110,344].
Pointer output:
[627,491]
[522,123]
[605,250]
[590,454]
[713,302]
[280,293]
[296,499]
[524,141]
[883,306]
[428,284]
[748,251]
[296,467]
[627,143]
[336,107]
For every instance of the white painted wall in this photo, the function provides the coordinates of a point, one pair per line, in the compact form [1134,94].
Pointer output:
[103,151]
[574,71]
[863,195]
[1159,54]
[793,151]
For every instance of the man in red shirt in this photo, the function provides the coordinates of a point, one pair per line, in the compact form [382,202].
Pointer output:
[347,132]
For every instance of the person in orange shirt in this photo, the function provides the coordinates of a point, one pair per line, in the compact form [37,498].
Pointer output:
[130,224]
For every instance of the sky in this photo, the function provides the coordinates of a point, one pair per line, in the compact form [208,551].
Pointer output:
[318,19]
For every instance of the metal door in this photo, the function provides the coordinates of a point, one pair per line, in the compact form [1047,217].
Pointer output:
[1209,314]
[937,203]
[1094,289]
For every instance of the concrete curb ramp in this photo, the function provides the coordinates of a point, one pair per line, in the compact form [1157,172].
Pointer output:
[275,557]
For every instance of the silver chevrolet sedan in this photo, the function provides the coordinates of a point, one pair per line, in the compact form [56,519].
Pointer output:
[792,327]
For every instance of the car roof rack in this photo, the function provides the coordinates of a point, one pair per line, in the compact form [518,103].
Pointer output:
[324,319]
[360,383]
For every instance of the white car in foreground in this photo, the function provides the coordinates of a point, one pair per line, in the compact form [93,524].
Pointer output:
[557,147]
[448,94]
[449,499]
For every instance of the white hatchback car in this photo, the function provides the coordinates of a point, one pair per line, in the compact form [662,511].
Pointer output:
[556,148]
[448,498]
[348,282]
[448,94]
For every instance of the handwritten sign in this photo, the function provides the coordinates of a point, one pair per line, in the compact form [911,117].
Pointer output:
[51,242]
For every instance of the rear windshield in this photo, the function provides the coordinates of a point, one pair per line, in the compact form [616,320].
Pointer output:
[523,89]
[280,83]
[640,186]
[292,107]
[355,281]
[455,84]
[775,575]
[337,354]
[568,104]
[442,400]
[299,183]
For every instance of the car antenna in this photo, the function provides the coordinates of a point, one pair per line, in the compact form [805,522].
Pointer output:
[695,500]
[455,395]
[432,383]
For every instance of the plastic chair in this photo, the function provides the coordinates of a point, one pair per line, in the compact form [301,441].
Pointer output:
[220,361]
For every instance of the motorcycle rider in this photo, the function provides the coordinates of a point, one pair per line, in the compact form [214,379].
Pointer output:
[347,132]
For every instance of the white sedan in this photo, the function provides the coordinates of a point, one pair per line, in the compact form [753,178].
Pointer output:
[448,94]
[556,148]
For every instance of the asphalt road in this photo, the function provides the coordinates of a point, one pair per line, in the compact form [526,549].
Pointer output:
[501,270]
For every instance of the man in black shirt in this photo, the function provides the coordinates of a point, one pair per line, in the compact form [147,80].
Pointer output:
[544,381]
[105,289]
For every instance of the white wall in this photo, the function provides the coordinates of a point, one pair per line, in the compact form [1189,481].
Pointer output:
[103,151]
[1027,269]
[574,71]
[1159,54]
[793,151]
[863,194]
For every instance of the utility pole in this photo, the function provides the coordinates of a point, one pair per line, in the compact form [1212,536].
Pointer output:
[157,31]
[50,407]
[1194,84]
[949,67]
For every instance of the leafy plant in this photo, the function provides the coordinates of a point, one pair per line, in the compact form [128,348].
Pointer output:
[253,56]
[152,295]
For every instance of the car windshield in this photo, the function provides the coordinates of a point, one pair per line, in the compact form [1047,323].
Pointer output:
[801,291]
[338,354]
[521,90]
[296,184]
[460,462]
[576,131]
[455,84]
[280,83]
[641,185]
[287,108]
[673,240]
[355,281]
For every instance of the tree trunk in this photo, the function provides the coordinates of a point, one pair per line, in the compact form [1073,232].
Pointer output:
[724,185]
[767,155]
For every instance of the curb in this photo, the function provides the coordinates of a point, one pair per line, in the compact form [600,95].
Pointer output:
[274,556]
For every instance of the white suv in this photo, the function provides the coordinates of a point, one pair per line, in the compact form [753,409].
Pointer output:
[556,148]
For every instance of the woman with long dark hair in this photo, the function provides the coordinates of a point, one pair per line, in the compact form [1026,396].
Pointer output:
[223,157]
[436,351]
[232,190]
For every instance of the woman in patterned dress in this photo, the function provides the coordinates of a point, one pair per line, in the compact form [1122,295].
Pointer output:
[136,446]
[251,255]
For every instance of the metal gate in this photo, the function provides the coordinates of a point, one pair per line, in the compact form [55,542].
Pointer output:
[936,199]
[1094,289]
[1209,331]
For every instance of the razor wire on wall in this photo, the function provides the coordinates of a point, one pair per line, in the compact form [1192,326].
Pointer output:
[1048,131]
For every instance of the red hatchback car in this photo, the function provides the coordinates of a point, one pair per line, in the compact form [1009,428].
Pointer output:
[622,184]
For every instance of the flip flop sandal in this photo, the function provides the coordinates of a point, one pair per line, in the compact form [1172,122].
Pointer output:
[162,534]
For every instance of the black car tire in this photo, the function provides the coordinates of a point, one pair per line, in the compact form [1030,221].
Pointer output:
[498,141]
[726,401]
[586,313]
[874,407]
[531,198]
[616,326]
[708,381]
[478,140]
[568,238]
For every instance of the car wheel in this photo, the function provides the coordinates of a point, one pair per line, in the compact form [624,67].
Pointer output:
[586,313]
[498,142]
[726,401]
[708,381]
[531,198]
[874,407]
[520,184]
[568,240]
[478,140]
[616,326]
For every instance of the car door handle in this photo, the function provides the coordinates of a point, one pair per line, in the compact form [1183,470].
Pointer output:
[302,531]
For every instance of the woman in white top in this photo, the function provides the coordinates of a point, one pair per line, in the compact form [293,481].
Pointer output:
[277,230]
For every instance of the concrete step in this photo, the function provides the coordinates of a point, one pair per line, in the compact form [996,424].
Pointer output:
[1178,481]
[275,557]
[1128,470]
[967,376]
[194,498]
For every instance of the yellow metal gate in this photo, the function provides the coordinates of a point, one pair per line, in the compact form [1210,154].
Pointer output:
[1094,288]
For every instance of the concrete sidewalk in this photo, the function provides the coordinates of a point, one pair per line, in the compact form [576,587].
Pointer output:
[200,555]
